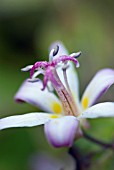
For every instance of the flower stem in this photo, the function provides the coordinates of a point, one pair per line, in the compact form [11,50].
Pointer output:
[99,142]
[82,162]
[73,151]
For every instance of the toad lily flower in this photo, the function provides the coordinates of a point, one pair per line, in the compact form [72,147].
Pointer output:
[63,112]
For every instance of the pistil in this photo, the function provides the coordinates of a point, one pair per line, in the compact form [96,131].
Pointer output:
[65,97]
[75,109]
[50,74]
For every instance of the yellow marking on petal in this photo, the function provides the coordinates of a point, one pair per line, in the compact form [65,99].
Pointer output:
[54,116]
[56,107]
[85,103]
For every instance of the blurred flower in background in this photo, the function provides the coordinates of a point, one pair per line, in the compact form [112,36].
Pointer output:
[46,161]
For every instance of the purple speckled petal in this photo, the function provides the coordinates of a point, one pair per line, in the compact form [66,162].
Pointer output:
[31,93]
[105,109]
[61,132]
[98,86]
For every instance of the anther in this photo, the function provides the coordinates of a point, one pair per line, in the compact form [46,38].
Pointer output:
[33,80]
[56,49]
[27,68]
[76,55]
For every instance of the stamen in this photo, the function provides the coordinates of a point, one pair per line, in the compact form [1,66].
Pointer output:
[37,73]
[64,59]
[53,53]
[45,81]
[75,109]
[50,87]
[54,63]
[27,68]
[56,50]
[33,80]
[76,55]
[65,78]
[65,97]
[49,76]
[40,64]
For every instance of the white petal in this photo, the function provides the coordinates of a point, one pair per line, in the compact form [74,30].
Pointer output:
[31,92]
[26,120]
[97,87]
[99,110]
[71,72]
[61,132]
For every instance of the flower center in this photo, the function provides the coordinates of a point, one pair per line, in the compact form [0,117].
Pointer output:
[50,74]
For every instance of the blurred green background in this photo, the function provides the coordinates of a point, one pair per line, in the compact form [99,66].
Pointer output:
[27,28]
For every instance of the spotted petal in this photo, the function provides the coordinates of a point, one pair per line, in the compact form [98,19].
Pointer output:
[31,92]
[71,72]
[61,132]
[99,110]
[26,120]
[97,87]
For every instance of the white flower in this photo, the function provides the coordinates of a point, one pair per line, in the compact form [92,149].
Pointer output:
[62,115]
